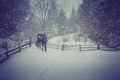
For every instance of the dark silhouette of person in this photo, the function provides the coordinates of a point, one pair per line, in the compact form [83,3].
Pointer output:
[44,42]
[39,40]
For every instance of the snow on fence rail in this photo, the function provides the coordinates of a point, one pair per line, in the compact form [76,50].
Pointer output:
[9,51]
[74,47]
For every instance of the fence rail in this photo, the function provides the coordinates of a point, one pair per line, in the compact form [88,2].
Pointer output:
[75,47]
[9,51]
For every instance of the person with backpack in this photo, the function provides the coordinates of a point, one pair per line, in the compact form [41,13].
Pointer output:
[39,40]
[44,42]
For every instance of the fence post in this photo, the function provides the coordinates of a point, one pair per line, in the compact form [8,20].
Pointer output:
[6,47]
[98,46]
[62,47]
[79,47]
[30,41]
[19,46]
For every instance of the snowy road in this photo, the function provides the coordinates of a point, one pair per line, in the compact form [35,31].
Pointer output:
[33,64]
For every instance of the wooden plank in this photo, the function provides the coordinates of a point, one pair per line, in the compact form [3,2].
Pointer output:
[12,51]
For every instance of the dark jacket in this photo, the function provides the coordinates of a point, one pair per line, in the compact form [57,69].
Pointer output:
[44,38]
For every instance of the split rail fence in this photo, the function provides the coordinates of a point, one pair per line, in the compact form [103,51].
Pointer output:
[17,48]
[76,47]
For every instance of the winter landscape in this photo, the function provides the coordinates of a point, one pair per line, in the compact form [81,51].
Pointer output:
[59,40]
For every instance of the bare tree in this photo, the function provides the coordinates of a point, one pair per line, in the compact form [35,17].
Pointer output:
[40,8]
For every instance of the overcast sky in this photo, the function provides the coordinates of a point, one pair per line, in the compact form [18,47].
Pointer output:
[68,4]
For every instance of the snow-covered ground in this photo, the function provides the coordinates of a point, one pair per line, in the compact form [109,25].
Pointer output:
[33,64]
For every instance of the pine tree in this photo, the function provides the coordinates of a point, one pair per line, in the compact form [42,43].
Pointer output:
[73,21]
[52,18]
[108,14]
[100,19]
[12,14]
[52,12]
[62,22]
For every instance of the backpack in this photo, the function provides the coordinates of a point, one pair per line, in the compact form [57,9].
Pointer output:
[44,38]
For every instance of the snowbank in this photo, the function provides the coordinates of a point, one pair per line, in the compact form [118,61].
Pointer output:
[70,39]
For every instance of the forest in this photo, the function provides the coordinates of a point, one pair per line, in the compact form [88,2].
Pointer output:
[98,19]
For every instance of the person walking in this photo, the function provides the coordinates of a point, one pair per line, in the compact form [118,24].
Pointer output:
[39,40]
[44,42]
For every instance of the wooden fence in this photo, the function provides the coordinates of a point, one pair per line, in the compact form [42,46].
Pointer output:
[9,51]
[76,47]
[20,45]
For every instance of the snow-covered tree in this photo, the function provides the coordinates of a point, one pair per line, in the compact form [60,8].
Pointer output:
[62,22]
[12,14]
[52,18]
[52,12]
[100,19]
[73,21]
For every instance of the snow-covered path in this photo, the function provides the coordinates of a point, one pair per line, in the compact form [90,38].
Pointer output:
[33,64]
